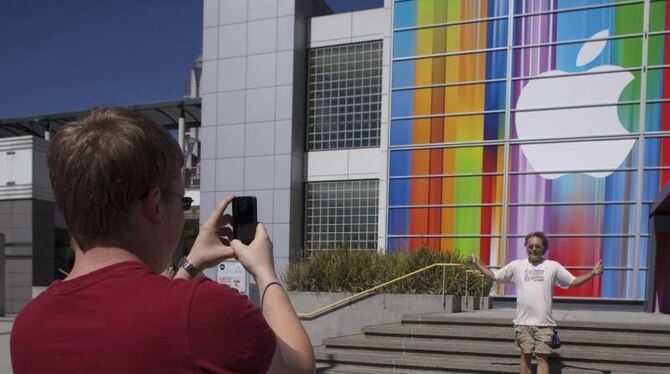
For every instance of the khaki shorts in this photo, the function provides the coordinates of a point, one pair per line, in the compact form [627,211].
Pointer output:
[534,338]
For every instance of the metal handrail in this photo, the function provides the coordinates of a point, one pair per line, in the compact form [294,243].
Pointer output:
[354,297]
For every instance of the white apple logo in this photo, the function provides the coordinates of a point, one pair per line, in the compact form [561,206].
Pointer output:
[554,89]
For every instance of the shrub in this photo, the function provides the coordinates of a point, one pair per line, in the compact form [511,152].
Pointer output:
[358,270]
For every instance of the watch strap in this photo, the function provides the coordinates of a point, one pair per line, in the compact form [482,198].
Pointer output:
[191,269]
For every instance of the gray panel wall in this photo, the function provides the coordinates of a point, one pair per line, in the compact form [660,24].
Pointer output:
[28,227]
[17,226]
[2,277]
[27,214]
[253,111]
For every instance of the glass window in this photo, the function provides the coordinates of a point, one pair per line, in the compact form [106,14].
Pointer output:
[351,76]
[341,214]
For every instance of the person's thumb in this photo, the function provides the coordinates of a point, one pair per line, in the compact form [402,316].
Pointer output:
[260,231]
[237,245]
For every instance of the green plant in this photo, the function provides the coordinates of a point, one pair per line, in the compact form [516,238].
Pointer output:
[357,270]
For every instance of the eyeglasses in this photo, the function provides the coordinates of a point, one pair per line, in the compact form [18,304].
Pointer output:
[185,200]
[534,246]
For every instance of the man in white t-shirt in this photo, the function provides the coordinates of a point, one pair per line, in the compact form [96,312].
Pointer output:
[535,279]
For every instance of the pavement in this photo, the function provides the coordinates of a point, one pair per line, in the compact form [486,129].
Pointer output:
[5,327]
[559,315]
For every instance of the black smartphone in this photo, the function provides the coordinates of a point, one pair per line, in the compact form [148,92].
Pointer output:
[244,218]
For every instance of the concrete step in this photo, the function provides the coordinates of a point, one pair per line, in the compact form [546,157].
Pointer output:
[617,355]
[323,368]
[394,361]
[506,333]
[357,361]
[482,342]
[474,319]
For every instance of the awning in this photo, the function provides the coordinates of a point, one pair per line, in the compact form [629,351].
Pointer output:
[164,113]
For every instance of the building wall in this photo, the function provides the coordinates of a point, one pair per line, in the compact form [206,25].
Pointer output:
[26,219]
[16,225]
[28,227]
[365,163]
[253,111]
[488,143]
[23,169]
[3,276]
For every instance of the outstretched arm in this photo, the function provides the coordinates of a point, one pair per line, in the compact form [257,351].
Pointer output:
[482,269]
[597,269]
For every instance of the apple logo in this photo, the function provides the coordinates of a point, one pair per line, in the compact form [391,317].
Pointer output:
[554,89]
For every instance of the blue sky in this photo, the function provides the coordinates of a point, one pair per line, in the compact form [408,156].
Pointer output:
[67,55]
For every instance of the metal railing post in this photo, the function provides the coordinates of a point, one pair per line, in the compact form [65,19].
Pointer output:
[481,297]
[444,296]
[482,290]
[467,294]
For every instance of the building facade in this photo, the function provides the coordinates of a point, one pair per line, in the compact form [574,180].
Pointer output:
[33,247]
[515,116]
[457,126]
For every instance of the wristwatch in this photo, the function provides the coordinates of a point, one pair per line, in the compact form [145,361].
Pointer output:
[191,269]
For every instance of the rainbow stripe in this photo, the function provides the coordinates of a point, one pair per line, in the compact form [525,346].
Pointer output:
[448,135]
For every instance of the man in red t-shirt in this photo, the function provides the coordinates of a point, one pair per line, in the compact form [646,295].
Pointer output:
[117,181]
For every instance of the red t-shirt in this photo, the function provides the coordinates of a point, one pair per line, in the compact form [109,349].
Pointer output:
[127,319]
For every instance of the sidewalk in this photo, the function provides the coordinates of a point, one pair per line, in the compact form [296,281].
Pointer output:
[5,328]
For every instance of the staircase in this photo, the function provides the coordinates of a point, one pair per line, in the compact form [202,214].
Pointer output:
[483,342]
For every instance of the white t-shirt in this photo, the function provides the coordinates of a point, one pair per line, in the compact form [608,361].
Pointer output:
[534,289]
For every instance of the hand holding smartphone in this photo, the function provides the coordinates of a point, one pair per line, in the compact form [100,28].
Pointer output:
[244,218]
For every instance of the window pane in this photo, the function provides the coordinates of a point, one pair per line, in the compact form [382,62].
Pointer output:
[344,96]
[341,214]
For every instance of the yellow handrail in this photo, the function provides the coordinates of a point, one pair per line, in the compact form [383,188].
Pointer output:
[351,298]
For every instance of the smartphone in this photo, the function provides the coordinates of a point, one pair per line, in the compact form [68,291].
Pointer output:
[244,218]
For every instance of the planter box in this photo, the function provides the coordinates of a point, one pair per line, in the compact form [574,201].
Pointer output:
[374,309]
